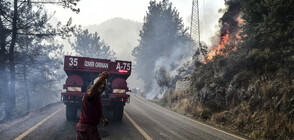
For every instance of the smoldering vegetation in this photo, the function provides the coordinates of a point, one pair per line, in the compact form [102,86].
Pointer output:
[166,53]
[247,84]
[36,85]
[164,47]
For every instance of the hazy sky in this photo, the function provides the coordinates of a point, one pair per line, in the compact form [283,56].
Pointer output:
[98,11]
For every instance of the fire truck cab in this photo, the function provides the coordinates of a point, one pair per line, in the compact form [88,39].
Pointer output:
[82,71]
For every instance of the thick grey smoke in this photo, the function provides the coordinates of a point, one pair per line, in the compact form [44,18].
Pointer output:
[164,44]
[228,22]
[180,55]
[210,11]
[42,83]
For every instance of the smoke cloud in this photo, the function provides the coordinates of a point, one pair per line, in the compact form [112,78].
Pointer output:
[228,22]
[180,55]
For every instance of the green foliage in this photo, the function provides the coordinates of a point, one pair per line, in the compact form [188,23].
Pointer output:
[206,114]
[269,25]
[213,106]
[202,75]
[219,80]
[243,78]
[220,62]
[162,77]
[263,60]
[255,80]
[90,45]
[162,32]
[28,52]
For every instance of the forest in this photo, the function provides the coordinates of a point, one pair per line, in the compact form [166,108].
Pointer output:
[243,82]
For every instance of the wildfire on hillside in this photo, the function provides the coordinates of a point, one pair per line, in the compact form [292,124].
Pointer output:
[223,41]
[230,30]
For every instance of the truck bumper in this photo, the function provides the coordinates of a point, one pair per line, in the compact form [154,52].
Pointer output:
[72,98]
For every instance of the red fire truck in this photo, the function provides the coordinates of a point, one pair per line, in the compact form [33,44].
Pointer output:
[82,71]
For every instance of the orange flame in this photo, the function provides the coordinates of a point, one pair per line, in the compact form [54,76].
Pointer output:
[225,40]
[240,23]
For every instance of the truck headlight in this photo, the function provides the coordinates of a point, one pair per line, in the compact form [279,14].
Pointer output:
[74,89]
[119,91]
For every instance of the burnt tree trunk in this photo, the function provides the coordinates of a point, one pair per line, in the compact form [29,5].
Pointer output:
[11,102]
[3,59]
[25,75]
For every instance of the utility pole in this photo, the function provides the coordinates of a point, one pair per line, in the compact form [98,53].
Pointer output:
[195,28]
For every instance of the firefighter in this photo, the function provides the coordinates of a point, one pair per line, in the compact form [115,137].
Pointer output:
[92,110]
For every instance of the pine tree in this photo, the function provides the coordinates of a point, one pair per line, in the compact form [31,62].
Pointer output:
[269,33]
[90,45]
[22,23]
[163,30]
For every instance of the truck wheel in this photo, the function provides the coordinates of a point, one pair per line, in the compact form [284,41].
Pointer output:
[118,113]
[71,113]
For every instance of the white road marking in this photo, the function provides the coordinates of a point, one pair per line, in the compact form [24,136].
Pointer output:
[37,125]
[194,120]
[147,137]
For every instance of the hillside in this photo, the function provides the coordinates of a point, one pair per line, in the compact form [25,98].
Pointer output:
[121,34]
[246,83]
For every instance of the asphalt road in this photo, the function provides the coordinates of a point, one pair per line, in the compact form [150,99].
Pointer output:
[142,120]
